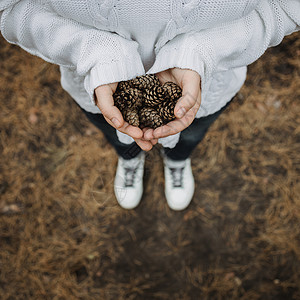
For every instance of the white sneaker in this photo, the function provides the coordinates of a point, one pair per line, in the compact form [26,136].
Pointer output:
[179,183]
[128,184]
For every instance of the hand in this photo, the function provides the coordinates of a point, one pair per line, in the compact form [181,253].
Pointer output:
[144,144]
[186,107]
[105,102]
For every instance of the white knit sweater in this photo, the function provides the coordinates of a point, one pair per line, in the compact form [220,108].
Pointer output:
[103,41]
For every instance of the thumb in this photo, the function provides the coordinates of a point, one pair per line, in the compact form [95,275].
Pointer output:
[105,102]
[190,95]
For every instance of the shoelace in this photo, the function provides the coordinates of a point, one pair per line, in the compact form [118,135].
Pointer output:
[130,176]
[176,174]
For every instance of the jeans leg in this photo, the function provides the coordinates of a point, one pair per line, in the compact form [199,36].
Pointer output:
[192,136]
[126,151]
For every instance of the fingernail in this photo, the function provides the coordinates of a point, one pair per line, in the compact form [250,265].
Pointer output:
[181,112]
[116,122]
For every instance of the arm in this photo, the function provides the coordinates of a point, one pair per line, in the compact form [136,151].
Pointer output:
[6,3]
[102,57]
[231,45]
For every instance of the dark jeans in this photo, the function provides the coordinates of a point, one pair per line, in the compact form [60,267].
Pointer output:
[188,141]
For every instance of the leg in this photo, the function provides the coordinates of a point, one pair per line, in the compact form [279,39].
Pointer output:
[192,136]
[128,183]
[179,180]
[126,151]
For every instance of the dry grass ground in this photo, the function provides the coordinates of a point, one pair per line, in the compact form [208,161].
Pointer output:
[63,236]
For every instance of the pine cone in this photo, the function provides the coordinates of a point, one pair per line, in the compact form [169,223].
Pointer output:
[123,85]
[166,111]
[144,102]
[149,117]
[131,116]
[123,96]
[145,82]
[128,98]
[136,97]
[154,96]
[173,90]
[119,101]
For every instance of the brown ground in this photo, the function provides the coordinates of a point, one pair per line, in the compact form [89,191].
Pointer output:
[63,236]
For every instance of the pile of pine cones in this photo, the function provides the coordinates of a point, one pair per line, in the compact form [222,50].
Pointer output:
[145,102]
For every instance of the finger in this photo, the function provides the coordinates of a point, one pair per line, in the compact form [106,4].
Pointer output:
[112,114]
[133,131]
[105,102]
[154,141]
[177,125]
[148,133]
[144,145]
[172,127]
[190,96]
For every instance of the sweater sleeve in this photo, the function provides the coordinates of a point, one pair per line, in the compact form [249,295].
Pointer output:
[100,56]
[232,44]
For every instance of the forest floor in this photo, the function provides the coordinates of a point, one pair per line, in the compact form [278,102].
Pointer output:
[63,235]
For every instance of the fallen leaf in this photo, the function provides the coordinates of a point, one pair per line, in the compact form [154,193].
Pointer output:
[238,281]
[276,281]
[229,276]
[11,209]
[33,117]
[188,215]
[261,107]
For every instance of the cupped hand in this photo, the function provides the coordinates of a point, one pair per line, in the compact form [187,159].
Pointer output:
[105,102]
[186,107]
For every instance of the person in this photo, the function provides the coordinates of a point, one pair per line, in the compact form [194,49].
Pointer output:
[203,46]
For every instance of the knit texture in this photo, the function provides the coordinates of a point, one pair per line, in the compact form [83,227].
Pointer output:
[108,41]
[96,42]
